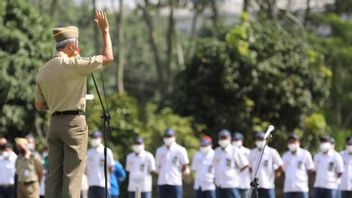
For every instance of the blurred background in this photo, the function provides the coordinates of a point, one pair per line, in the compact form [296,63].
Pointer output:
[193,65]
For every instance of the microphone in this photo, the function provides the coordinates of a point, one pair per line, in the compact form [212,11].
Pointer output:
[270,129]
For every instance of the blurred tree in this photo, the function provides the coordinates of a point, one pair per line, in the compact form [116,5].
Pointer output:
[259,71]
[25,44]
[120,43]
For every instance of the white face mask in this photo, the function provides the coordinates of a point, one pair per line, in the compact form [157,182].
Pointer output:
[293,147]
[168,141]
[259,144]
[325,147]
[6,154]
[30,146]
[95,142]
[349,148]
[138,148]
[224,143]
[237,143]
[205,149]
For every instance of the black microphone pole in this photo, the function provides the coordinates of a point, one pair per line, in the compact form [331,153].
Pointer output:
[106,128]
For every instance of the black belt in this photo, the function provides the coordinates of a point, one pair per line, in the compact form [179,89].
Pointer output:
[58,113]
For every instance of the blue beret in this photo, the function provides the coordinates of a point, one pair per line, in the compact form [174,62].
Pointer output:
[96,134]
[224,133]
[169,132]
[138,140]
[260,135]
[237,136]
[205,141]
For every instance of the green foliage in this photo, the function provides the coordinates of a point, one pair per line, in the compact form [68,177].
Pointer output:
[25,44]
[261,72]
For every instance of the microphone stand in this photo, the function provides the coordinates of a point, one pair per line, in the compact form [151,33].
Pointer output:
[255,182]
[106,128]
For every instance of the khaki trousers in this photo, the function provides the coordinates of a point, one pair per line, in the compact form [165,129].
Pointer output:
[28,190]
[67,142]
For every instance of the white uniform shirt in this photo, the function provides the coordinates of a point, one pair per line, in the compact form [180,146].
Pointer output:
[296,166]
[271,160]
[8,169]
[169,162]
[95,165]
[346,178]
[327,166]
[202,164]
[245,175]
[140,168]
[227,163]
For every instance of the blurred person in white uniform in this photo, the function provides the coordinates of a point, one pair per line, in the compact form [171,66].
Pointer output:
[202,165]
[228,162]
[245,175]
[328,168]
[95,166]
[140,165]
[298,162]
[7,170]
[171,163]
[269,168]
[346,178]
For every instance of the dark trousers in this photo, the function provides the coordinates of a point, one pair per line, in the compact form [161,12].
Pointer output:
[296,195]
[7,192]
[96,192]
[204,194]
[346,194]
[243,192]
[325,193]
[265,193]
[227,193]
[143,194]
[169,191]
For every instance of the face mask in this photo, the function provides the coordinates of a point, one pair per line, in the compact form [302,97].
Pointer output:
[325,147]
[205,149]
[237,143]
[138,148]
[293,147]
[168,141]
[30,146]
[224,143]
[6,154]
[45,153]
[259,144]
[349,148]
[95,142]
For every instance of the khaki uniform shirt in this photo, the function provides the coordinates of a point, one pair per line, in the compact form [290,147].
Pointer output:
[61,82]
[28,169]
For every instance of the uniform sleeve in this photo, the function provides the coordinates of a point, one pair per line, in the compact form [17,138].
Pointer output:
[128,163]
[315,161]
[339,163]
[184,157]
[152,166]
[194,162]
[38,166]
[38,94]
[110,160]
[241,159]
[309,161]
[87,65]
[157,160]
[276,158]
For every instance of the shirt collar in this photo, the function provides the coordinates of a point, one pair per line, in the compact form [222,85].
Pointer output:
[141,154]
[60,54]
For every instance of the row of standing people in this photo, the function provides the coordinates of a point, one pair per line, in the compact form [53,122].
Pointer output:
[227,171]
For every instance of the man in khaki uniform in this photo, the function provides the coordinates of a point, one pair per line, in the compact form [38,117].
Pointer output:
[29,170]
[61,89]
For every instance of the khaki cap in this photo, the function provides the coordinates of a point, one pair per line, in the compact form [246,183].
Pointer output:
[21,141]
[64,33]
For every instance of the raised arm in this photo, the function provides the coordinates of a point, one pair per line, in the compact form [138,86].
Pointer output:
[103,23]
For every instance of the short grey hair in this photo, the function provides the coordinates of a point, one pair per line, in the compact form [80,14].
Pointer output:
[63,43]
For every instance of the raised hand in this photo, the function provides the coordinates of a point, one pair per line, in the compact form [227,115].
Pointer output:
[101,20]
